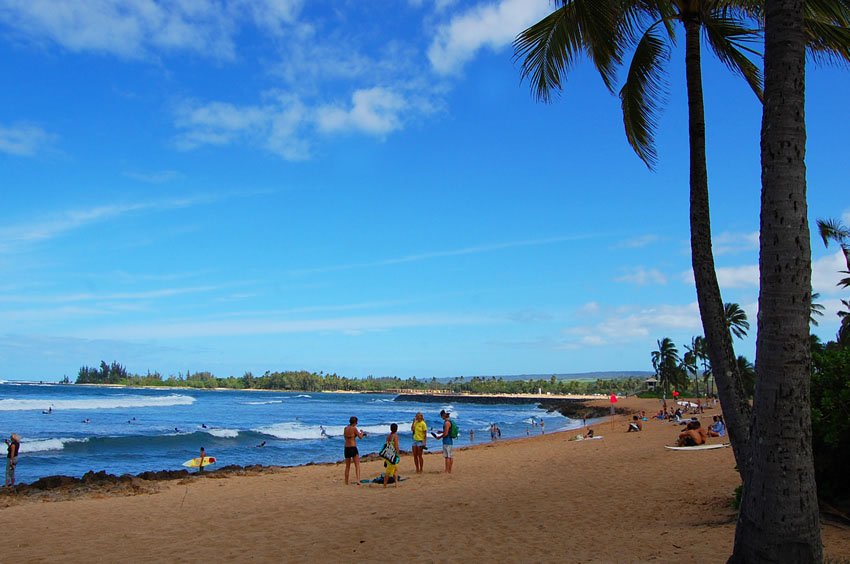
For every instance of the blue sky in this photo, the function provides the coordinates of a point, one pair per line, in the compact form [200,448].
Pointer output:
[357,187]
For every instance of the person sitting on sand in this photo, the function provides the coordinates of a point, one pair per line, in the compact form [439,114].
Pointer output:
[691,435]
[392,469]
[351,434]
[718,428]
[420,440]
[635,425]
[589,434]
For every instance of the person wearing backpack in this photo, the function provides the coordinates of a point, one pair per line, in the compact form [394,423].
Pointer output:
[446,436]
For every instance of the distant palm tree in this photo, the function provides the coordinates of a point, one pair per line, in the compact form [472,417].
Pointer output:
[736,319]
[748,375]
[665,361]
[843,336]
[834,230]
[816,309]
[701,348]
[689,363]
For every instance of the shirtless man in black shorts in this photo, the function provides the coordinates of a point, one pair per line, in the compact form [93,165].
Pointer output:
[351,434]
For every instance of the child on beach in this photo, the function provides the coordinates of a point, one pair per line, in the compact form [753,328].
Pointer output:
[392,469]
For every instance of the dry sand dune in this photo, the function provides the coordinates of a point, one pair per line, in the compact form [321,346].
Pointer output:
[546,499]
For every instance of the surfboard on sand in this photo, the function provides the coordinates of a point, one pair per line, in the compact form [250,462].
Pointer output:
[698,447]
[195,462]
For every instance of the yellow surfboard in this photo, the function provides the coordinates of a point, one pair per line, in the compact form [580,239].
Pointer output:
[195,462]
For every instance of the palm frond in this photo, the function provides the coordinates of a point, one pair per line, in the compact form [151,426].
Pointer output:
[640,96]
[728,38]
[827,25]
[550,48]
[832,230]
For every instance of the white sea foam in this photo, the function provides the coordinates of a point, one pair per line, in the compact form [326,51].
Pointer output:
[261,402]
[223,433]
[42,445]
[301,432]
[304,396]
[114,402]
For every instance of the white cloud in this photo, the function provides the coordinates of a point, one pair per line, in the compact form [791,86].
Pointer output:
[642,276]
[628,323]
[636,242]
[13,236]
[729,243]
[232,328]
[376,111]
[23,140]
[124,28]
[826,273]
[730,276]
[491,25]
[439,254]
[276,126]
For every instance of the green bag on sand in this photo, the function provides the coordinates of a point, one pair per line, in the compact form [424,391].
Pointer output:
[455,431]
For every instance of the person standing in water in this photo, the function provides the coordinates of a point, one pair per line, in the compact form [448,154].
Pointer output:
[14,447]
[351,434]
[420,441]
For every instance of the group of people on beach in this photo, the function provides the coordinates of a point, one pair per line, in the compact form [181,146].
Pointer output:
[420,443]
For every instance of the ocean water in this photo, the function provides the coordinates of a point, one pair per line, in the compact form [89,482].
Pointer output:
[132,430]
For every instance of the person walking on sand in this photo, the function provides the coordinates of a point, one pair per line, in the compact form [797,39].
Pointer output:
[420,440]
[14,448]
[351,434]
[448,443]
[392,469]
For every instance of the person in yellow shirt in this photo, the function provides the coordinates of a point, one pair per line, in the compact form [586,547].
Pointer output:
[420,438]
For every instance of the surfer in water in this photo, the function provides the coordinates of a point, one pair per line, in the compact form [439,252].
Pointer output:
[262,444]
[324,433]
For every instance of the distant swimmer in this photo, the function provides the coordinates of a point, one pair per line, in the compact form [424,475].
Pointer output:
[176,430]
[262,444]
[86,420]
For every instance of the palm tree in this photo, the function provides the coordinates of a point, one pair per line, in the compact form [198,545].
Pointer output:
[701,349]
[778,519]
[689,362]
[748,375]
[736,320]
[665,361]
[604,30]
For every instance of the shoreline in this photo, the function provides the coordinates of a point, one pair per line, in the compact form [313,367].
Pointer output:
[624,498]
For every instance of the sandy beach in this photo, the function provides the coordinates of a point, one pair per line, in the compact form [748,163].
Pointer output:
[624,498]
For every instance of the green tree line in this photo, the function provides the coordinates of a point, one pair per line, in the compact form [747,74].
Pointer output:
[304,381]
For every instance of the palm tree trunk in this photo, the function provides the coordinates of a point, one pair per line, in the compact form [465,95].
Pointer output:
[736,409]
[779,520]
